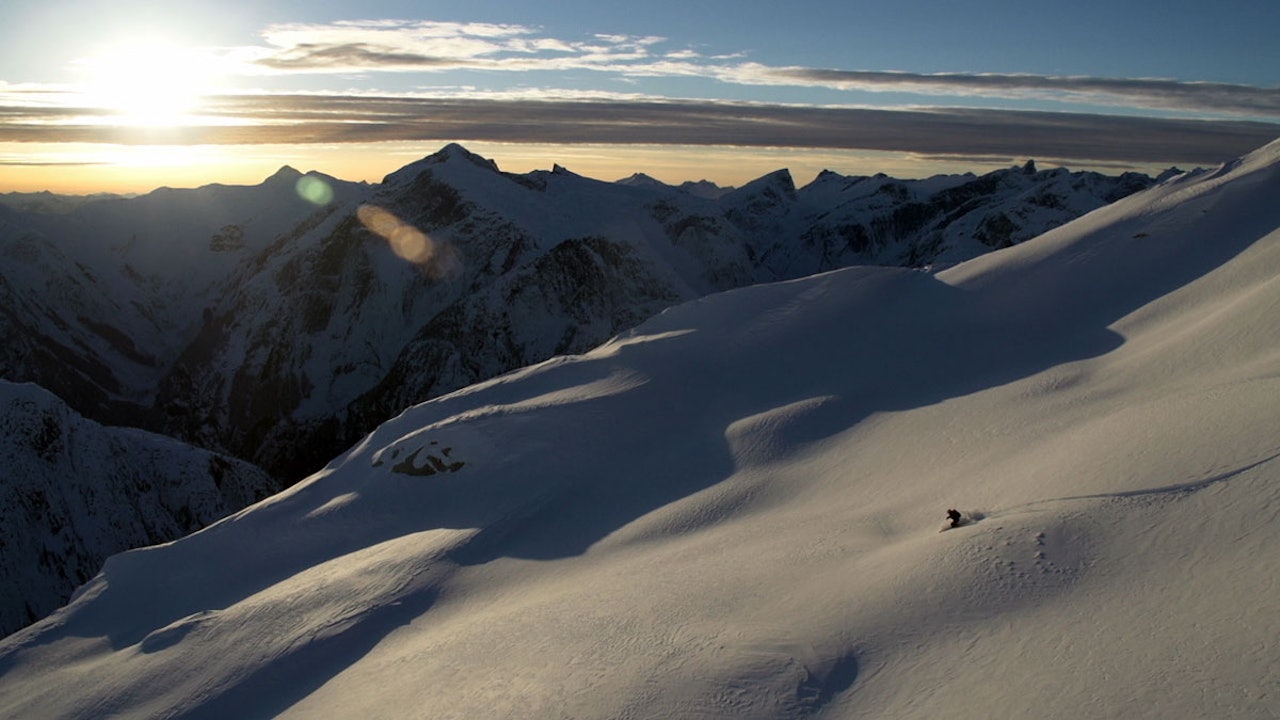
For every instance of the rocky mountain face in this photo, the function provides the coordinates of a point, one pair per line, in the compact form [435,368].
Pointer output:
[279,329]
[73,492]
[97,300]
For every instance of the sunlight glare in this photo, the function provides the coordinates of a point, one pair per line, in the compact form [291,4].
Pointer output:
[149,83]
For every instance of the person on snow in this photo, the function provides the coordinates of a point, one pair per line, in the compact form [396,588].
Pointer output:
[954,517]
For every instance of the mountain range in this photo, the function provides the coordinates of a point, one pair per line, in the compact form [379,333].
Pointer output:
[279,323]
[732,509]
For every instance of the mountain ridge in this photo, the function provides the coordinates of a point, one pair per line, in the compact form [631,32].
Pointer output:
[76,492]
[281,322]
[486,226]
[731,510]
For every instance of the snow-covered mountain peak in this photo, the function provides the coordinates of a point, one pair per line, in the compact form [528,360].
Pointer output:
[732,509]
[184,294]
[827,187]
[1141,237]
[704,189]
[830,177]
[776,184]
[641,180]
[729,510]
[286,174]
[454,152]
[450,159]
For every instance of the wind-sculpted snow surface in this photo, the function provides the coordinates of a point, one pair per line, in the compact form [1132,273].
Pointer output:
[282,322]
[345,333]
[731,511]
[73,492]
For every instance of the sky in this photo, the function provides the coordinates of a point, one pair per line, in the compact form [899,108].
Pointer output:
[128,95]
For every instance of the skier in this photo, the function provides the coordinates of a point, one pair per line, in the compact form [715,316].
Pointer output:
[954,516]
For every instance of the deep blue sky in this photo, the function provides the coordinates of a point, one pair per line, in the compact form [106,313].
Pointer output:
[966,63]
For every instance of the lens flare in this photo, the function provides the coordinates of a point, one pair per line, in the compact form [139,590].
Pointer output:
[314,190]
[408,242]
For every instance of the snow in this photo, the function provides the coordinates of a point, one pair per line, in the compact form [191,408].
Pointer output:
[732,511]
[73,492]
[140,272]
[261,322]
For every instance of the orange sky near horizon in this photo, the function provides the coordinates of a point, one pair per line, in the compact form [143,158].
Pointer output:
[92,169]
[123,96]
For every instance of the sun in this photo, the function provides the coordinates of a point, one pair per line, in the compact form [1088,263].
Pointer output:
[149,82]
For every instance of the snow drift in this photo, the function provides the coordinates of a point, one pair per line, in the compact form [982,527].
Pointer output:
[732,511]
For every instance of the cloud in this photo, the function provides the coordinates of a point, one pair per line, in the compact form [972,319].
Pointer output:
[402,46]
[285,119]
[1132,92]
[424,46]
[1228,126]
[350,56]
[936,131]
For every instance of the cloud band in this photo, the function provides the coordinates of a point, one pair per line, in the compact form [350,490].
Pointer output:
[287,119]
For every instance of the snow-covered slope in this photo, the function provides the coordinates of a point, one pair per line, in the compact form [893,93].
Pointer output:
[73,492]
[329,331]
[733,510]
